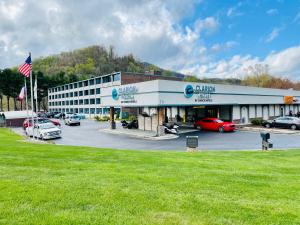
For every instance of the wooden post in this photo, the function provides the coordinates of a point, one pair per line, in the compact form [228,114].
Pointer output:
[112,118]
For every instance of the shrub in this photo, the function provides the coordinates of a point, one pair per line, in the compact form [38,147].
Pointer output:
[256,121]
[103,118]
[132,118]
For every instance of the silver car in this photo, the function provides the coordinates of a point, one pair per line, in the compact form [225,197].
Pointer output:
[72,120]
[44,131]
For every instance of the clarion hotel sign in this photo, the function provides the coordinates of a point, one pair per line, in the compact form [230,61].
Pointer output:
[202,92]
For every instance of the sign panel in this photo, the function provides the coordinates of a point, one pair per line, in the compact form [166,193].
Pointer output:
[288,99]
[201,92]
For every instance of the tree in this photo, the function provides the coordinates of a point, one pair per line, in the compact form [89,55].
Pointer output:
[191,78]
[258,76]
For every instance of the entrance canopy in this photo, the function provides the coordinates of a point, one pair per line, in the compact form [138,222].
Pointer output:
[159,93]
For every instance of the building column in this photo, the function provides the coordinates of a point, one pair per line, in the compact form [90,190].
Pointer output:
[112,118]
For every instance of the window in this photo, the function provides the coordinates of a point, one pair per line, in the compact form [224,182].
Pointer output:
[107,79]
[66,87]
[71,86]
[62,95]
[80,110]
[75,102]
[116,77]
[80,93]
[92,82]
[58,89]
[92,111]
[71,94]
[63,102]
[71,102]
[85,83]
[98,111]
[92,91]
[75,93]
[75,85]
[71,110]
[76,110]
[81,102]
[98,101]
[98,80]
[86,111]
[86,101]
[67,95]
[80,84]
[55,96]
[62,88]
[86,92]
[59,95]
[67,102]
[98,91]
[92,101]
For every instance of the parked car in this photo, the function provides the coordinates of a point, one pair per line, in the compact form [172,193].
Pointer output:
[81,116]
[51,114]
[44,131]
[72,120]
[28,122]
[214,124]
[283,122]
[59,115]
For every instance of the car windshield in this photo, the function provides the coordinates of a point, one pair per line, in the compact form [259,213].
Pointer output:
[46,126]
[219,121]
[74,117]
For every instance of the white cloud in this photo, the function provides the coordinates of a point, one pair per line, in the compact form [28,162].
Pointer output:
[272,12]
[274,34]
[147,28]
[284,63]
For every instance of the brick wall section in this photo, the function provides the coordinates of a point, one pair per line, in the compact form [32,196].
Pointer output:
[129,78]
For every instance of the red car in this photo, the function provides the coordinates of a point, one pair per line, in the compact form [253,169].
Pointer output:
[27,122]
[214,124]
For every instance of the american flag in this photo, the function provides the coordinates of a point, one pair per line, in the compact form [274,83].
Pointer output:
[26,67]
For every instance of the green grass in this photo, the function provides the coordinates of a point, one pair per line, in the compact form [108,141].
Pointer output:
[49,184]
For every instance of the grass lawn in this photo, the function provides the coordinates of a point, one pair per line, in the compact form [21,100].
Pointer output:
[51,184]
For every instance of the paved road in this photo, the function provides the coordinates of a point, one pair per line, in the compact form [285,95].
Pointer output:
[89,134]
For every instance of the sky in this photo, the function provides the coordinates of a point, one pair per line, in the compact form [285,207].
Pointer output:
[206,38]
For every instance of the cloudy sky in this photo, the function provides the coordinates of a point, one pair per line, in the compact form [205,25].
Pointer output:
[202,37]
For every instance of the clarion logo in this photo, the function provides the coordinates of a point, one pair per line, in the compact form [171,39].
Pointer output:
[189,90]
[126,94]
[114,94]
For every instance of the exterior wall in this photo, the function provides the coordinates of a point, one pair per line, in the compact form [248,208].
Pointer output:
[252,111]
[259,111]
[130,78]
[236,114]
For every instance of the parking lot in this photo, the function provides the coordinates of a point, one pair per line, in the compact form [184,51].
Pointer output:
[90,133]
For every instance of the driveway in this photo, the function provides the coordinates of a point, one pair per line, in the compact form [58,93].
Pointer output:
[89,134]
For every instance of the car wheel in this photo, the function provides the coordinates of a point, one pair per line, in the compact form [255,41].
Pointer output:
[268,125]
[294,127]
[41,137]
[221,129]
[198,127]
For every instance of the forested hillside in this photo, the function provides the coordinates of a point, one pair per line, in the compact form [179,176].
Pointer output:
[92,61]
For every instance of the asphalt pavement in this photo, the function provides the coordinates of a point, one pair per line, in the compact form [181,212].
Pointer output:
[90,134]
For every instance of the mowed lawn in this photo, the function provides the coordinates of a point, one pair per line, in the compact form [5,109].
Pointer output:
[51,184]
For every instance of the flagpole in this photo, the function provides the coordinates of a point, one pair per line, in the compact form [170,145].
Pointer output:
[32,105]
[36,94]
[26,101]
